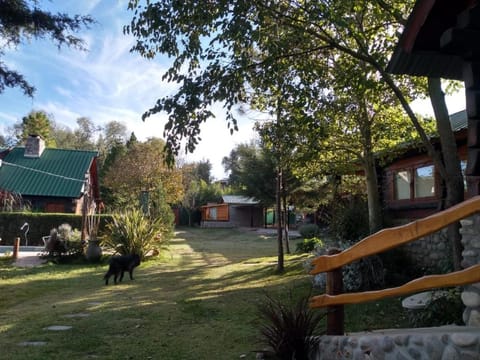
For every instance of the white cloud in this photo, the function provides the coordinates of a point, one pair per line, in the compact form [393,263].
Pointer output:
[107,83]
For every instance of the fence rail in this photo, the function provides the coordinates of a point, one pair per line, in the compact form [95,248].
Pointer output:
[385,240]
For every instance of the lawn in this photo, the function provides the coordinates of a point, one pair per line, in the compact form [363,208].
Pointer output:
[197,301]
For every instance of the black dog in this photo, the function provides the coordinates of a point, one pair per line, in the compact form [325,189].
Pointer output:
[119,264]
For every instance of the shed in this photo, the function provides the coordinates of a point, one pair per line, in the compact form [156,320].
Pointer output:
[233,211]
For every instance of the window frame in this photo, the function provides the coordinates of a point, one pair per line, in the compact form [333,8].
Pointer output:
[411,169]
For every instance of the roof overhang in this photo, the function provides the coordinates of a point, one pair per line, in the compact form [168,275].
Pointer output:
[420,50]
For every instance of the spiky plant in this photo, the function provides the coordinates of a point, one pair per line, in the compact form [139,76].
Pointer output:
[289,329]
[132,232]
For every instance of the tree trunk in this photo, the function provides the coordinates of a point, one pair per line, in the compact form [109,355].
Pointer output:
[439,166]
[373,194]
[280,263]
[285,219]
[454,178]
[371,179]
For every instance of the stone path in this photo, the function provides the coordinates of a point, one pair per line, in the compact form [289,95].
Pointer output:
[59,327]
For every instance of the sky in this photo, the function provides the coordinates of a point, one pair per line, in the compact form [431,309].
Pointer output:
[108,82]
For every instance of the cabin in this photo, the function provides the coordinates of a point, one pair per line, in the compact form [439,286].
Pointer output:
[411,187]
[49,179]
[233,211]
[440,40]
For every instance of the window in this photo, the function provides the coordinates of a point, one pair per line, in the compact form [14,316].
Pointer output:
[402,185]
[414,183]
[212,213]
[424,182]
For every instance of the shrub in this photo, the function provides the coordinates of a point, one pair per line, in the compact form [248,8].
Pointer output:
[132,232]
[289,329]
[444,309]
[308,245]
[64,243]
[362,275]
[399,267]
[309,231]
[349,219]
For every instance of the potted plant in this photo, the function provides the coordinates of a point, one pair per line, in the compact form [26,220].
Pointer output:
[94,251]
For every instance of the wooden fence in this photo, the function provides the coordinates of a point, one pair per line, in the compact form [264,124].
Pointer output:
[381,241]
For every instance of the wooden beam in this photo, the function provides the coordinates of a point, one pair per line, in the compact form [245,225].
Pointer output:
[469,18]
[463,277]
[390,238]
[460,42]
[335,314]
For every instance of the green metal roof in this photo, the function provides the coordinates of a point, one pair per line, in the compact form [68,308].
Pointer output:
[459,120]
[239,200]
[57,172]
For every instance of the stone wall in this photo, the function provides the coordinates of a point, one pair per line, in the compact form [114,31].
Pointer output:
[217,224]
[442,343]
[471,256]
[431,253]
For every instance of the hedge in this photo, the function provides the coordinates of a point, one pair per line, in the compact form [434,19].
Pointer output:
[40,225]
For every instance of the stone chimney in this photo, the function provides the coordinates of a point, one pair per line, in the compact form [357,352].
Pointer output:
[34,146]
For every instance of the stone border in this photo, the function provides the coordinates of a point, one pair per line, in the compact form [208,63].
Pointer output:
[442,343]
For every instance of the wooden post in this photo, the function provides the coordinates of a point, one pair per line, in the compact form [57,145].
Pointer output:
[335,314]
[16,247]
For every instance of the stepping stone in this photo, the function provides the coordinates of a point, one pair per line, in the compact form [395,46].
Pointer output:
[95,303]
[33,343]
[78,315]
[58,327]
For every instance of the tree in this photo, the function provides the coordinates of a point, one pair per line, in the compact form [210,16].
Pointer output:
[63,135]
[251,172]
[35,123]
[215,51]
[203,169]
[142,168]
[256,172]
[197,188]
[22,20]
[115,133]
[111,141]
[85,134]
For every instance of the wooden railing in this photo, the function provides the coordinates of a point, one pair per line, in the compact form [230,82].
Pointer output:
[385,240]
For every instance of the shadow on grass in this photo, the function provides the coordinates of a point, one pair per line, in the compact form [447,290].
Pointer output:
[200,302]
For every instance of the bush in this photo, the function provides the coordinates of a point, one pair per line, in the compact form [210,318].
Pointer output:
[132,232]
[445,309]
[40,225]
[64,243]
[399,267]
[362,275]
[349,219]
[308,245]
[309,231]
[289,329]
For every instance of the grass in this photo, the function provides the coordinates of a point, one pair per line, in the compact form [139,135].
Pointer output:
[199,301]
